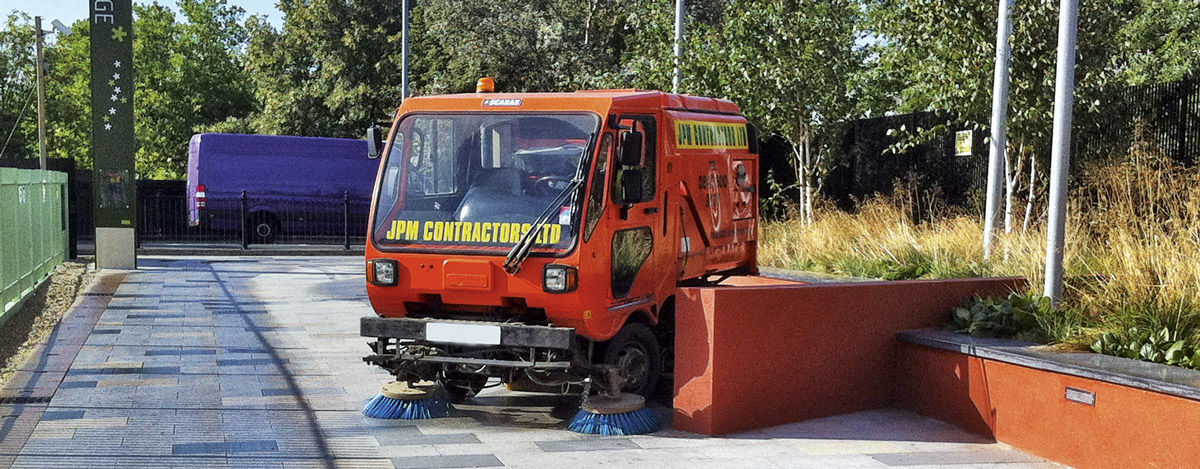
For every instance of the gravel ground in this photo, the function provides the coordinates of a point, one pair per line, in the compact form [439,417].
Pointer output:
[20,336]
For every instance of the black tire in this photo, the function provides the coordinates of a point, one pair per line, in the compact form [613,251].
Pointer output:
[264,228]
[635,350]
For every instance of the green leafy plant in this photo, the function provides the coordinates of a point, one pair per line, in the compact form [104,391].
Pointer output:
[1153,346]
[1015,316]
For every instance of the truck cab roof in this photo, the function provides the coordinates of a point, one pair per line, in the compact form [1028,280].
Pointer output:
[585,99]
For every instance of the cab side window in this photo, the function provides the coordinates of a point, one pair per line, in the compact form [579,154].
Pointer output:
[645,125]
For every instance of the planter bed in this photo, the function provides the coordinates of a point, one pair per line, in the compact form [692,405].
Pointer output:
[1081,409]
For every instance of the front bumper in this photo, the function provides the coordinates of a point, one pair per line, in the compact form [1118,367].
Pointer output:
[510,335]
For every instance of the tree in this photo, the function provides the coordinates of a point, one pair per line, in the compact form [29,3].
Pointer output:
[330,71]
[17,101]
[787,63]
[188,77]
[944,50]
[525,45]
[1162,42]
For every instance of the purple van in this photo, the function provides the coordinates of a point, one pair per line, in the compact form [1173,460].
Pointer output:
[294,185]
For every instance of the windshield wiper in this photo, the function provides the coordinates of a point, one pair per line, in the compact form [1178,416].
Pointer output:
[512,262]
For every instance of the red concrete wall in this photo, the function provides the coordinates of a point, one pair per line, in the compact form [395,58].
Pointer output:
[757,356]
[1027,408]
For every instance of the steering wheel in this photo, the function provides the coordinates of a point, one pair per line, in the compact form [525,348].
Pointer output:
[550,185]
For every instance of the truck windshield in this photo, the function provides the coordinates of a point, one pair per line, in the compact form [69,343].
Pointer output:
[477,182]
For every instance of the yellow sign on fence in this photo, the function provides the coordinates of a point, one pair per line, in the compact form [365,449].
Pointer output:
[963,143]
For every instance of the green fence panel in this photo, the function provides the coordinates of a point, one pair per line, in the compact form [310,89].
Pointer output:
[33,232]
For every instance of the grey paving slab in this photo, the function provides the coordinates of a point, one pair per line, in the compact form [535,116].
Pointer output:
[256,362]
[982,456]
[462,460]
[587,444]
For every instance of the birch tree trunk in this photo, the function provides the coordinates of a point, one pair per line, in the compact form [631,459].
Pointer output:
[1029,198]
[808,183]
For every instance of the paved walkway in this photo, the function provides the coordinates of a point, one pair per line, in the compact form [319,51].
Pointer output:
[255,362]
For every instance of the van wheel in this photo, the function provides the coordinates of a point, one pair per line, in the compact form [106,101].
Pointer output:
[636,352]
[264,228]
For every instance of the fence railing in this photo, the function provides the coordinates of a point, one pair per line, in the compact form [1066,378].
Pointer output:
[246,218]
[33,232]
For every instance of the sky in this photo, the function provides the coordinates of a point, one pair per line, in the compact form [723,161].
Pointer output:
[69,11]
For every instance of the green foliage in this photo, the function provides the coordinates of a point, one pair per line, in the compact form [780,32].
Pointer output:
[1017,316]
[1162,42]
[17,101]
[188,76]
[945,50]
[1159,346]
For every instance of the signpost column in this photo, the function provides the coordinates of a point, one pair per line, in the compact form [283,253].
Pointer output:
[113,140]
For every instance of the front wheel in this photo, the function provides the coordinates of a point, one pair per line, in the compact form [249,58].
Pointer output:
[635,351]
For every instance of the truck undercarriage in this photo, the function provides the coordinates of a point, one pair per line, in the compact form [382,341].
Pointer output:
[464,355]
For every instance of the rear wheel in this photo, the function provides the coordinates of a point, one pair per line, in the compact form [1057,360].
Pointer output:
[636,352]
[264,228]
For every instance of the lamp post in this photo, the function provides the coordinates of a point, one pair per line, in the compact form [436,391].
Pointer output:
[1060,150]
[41,82]
[680,6]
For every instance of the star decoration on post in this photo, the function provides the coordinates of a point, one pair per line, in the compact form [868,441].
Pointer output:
[117,64]
[118,34]
[114,97]
[107,126]
[116,76]
[117,90]
[112,110]
[111,83]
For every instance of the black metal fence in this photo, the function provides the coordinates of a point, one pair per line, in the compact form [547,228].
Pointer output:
[250,218]
[867,167]
[1165,115]
[166,215]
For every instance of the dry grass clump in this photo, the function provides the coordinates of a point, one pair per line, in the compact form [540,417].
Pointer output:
[41,313]
[1132,255]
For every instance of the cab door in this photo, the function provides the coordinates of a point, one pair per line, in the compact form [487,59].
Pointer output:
[635,215]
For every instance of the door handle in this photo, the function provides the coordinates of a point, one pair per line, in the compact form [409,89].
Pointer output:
[650,210]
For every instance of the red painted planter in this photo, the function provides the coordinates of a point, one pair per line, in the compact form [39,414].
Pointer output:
[1029,409]
[756,356]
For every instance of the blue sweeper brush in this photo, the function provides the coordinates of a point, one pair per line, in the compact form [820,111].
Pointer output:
[623,414]
[408,402]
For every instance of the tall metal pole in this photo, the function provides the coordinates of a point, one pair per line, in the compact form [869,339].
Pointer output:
[41,92]
[999,140]
[680,6]
[1060,151]
[404,49]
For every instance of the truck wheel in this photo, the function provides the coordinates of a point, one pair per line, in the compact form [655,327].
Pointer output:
[264,228]
[635,350]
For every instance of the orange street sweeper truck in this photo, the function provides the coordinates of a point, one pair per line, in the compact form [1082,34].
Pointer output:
[542,236]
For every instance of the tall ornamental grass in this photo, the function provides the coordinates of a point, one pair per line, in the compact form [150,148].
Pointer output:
[1132,253]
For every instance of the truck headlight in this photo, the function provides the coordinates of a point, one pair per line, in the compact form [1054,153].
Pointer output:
[559,278]
[384,272]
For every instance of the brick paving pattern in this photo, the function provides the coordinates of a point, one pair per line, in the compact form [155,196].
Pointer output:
[255,362]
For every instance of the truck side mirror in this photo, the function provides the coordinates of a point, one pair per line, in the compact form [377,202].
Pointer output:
[632,182]
[631,149]
[374,142]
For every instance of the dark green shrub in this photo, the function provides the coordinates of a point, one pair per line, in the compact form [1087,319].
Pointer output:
[1015,316]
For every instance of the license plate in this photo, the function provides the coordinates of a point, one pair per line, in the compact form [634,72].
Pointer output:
[462,333]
